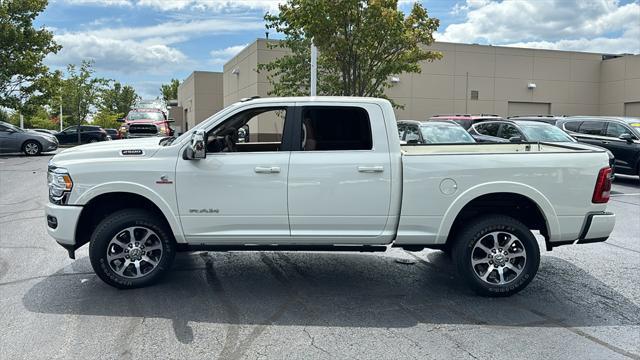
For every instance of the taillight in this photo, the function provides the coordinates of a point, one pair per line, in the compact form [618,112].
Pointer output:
[603,187]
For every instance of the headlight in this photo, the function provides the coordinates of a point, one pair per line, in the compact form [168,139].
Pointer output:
[60,184]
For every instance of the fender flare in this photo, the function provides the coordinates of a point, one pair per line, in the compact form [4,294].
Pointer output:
[144,191]
[548,212]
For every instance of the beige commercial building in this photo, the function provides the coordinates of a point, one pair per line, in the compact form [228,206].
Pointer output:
[469,79]
[199,96]
[484,79]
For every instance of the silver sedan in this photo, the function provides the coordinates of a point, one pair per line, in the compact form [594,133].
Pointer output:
[14,139]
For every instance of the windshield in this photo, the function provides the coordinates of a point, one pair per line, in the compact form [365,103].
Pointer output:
[445,133]
[543,132]
[139,115]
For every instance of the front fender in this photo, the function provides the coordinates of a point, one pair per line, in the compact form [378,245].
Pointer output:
[472,193]
[129,187]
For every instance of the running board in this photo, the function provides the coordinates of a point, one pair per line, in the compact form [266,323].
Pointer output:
[347,248]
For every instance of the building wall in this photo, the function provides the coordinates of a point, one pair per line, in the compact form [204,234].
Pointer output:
[620,86]
[200,95]
[570,83]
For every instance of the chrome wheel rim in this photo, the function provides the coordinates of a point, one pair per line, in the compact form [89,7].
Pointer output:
[31,148]
[498,258]
[134,252]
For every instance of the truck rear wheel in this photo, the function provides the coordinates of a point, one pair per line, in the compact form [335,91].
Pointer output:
[131,249]
[496,255]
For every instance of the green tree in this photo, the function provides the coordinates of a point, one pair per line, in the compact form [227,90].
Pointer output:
[41,119]
[361,44]
[117,98]
[81,92]
[24,79]
[107,119]
[170,91]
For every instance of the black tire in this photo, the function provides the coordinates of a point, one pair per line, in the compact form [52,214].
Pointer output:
[482,229]
[117,224]
[31,148]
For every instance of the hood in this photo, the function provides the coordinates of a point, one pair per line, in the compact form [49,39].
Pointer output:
[131,148]
[143,121]
[37,134]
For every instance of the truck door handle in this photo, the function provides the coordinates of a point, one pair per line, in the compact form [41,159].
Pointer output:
[605,142]
[267,169]
[370,169]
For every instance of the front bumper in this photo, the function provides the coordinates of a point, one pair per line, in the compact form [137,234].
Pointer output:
[62,221]
[50,146]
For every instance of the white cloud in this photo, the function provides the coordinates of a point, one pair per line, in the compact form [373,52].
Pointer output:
[221,56]
[100,2]
[215,5]
[169,5]
[593,25]
[150,48]
[119,55]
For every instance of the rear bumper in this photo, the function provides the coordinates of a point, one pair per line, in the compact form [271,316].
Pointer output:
[597,228]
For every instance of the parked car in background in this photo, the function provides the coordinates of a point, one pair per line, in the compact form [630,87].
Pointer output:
[45,131]
[88,134]
[466,120]
[432,132]
[145,123]
[549,119]
[528,131]
[113,133]
[14,139]
[620,135]
[520,131]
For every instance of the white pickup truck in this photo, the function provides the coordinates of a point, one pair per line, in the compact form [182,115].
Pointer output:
[324,174]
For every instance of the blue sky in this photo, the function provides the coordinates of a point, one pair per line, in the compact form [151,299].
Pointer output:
[145,43]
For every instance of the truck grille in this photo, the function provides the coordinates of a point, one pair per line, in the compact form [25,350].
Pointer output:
[143,130]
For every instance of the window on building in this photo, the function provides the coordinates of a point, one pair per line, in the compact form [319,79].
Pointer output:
[474,94]
[335,128]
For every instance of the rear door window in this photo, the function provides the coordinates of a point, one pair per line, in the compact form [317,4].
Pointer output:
[572,126]
[335,128]
[592,128]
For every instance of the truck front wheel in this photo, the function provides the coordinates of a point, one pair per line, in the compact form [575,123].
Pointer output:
[496,255]
[131,249]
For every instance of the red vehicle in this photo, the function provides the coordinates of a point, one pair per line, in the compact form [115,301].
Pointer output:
[144,123]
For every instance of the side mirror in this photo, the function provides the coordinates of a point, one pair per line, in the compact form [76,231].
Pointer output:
[515,139]
[626,137]
[120,120]
[197,149]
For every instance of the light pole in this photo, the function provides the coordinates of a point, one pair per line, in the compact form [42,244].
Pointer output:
[60,112]
[314,68]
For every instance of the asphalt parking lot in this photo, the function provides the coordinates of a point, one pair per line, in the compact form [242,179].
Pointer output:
[584,303]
